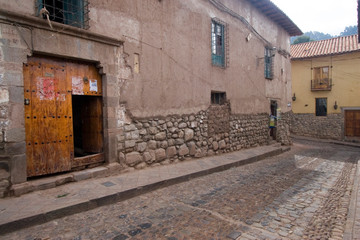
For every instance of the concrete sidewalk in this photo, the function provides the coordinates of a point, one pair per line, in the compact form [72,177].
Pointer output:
[41,206]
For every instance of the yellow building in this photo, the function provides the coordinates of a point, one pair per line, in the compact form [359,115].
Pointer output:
[326,88]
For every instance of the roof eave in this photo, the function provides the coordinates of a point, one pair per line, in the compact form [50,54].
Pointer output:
[270,10]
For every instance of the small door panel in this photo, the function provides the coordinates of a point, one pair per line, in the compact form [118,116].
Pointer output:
[352,123]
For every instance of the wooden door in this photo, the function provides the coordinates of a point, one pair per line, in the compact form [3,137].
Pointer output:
[63,103]
[48,117]
[352,123]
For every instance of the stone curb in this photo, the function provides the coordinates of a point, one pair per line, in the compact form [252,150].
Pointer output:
[127,194]
[349,144]
[52,182]
[352,211]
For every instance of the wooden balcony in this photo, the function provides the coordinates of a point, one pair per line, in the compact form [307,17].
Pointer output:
[321,84]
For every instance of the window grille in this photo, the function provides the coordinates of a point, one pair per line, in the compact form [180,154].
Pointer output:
[321,106]
[71,12]
[218,98]
[269,65]
[219,43]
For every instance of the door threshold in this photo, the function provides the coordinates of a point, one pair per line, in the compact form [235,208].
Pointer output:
[87,160]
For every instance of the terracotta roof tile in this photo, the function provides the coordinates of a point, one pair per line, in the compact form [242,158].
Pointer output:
[331,46]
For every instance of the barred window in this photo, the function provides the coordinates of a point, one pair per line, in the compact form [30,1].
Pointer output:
[71,12]
[218,41]
[269,72]
[218,98]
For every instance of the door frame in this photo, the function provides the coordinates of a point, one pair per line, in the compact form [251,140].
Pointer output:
[95,158]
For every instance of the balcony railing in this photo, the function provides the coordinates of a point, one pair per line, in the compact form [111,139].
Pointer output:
[321,84]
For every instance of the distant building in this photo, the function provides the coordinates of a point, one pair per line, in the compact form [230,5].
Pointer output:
[326,87]
[138,83]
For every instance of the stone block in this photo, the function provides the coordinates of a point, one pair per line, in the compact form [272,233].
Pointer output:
[4,184]
[171,142]
[188,134]
[182,125]
[15,148]
[152,144]
[135,135]
[164,144]
[114,167]
[149,157]
[143,132]
[130,143]
[16,94]
[12,79]
[15,135]
[130,127]
[152,130]
[171,152]
[133,158]
[192,148]
[160,136]
[98,172]
[4,174]
[141,147]
[215,145]
[4,95]
[43,183]
[193,124]
[80,176]
[121,157]
[160,154]
[222,144]
[179,141]
[183,150]
[17,117]
[63,179]
[18,169]
[141,165]
[20,189]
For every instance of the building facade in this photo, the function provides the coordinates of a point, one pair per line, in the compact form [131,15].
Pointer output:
[325,83]
[137,83]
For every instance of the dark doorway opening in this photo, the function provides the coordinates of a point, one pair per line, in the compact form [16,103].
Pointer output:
[87,125]
[273,109]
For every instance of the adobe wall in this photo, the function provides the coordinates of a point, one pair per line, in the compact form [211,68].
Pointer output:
[173,40]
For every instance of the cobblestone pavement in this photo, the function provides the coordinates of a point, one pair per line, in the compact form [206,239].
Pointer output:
[301,194]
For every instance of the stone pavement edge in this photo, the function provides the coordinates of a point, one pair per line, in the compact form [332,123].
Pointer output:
[58,201]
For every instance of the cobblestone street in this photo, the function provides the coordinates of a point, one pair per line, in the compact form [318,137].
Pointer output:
[301,194]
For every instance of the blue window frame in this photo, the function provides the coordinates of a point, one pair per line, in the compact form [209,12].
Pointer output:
[268,64]
[217,43]
[70,12]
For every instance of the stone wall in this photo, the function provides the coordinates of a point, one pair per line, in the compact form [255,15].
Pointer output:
[155,141]
[283,129]
[309,125]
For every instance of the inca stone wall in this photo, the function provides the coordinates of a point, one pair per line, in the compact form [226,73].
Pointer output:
[309,125]
[155,141]
[283,129]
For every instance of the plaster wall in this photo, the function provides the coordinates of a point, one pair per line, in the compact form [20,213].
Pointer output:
[345,75]
[173,39]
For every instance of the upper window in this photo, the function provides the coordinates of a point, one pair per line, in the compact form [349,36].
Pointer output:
[70,12]
[218,43]
[321,80]
[321,106]
[268,64]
